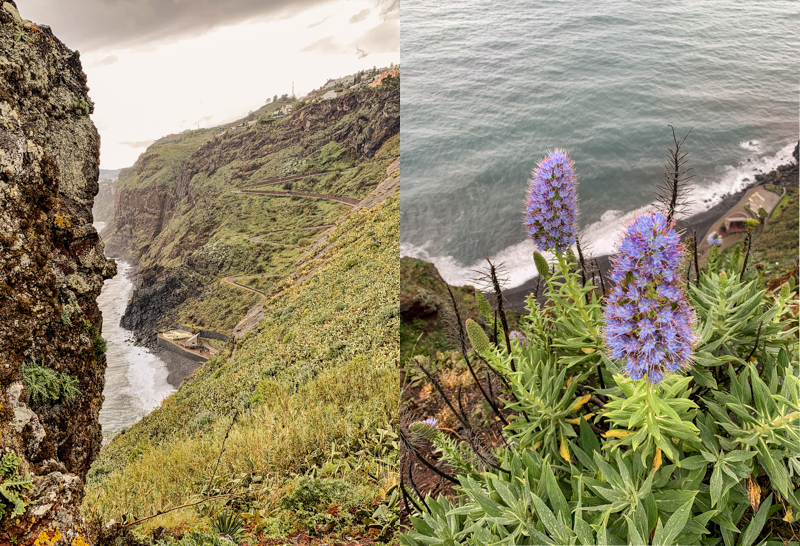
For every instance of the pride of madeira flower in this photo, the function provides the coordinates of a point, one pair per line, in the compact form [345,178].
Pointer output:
[648,319]
[552,209]
[714,239]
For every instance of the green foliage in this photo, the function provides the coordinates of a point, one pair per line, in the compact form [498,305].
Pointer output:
[228,525]
[47,386]
[656,414]
[316,397]
[81,106]
[99,344]
[477,337]
[711,457]
[196,537]
[12,486]
[542,267]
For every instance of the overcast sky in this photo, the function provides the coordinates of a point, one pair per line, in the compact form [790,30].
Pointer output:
[157,67]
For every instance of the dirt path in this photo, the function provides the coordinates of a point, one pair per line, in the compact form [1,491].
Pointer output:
[275,181]
[282,245]
[345,200]
[232,282]
[309,228]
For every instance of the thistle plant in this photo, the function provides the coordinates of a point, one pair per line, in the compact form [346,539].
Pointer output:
[552,210]
[648,319]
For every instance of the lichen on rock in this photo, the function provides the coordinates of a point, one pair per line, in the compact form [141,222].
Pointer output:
[51,259]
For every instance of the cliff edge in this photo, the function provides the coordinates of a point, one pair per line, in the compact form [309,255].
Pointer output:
[52,268]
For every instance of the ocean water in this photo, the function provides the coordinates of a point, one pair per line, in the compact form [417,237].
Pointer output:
[491,87]
[136,379]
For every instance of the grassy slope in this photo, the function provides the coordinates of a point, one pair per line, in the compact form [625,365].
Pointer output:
[315,384]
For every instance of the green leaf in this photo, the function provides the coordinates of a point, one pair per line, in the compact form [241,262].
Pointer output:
[633,535]
[556,529]
[753,529]
[703,377]
[665,536]
[716,486]
[589,440]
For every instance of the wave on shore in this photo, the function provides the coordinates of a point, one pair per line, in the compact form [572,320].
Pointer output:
[602,236]
[136,379]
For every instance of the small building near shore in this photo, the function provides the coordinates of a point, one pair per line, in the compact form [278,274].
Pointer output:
[734,223]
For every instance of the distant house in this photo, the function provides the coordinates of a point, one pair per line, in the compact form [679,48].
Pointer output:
[329,95]
[251,123]
[735,223]
[329,84]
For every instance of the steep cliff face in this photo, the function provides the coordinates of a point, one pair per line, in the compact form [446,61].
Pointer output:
[52,268]
[103,210]
[180,217]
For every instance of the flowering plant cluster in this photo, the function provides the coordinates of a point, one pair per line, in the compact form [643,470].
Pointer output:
[552,209]
[714,239]
[648,318]
[589,389]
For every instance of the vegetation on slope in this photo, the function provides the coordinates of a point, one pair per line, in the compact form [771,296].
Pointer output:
[313,392]
[181,215]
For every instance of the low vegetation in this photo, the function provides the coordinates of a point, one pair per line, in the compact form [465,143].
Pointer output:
[47,386]
[305,409]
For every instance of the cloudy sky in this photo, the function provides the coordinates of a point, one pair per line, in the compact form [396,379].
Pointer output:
[157,67]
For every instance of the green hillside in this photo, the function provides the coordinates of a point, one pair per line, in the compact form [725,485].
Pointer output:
[315,390]
[182,217]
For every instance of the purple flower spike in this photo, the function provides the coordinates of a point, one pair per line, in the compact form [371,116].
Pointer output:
[518,336]
[714,239]
[552,210]
[431,421]
[647,316]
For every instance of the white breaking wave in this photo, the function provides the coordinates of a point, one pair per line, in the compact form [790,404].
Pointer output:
[602,236]
[136,379]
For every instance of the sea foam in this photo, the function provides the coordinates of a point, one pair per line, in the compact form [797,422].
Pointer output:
[603,235]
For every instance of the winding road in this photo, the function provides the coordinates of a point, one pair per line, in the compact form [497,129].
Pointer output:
[257,239]
[346,200]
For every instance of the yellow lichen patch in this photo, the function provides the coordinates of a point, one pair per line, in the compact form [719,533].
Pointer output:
[78,541]
[44,538]
[61,222]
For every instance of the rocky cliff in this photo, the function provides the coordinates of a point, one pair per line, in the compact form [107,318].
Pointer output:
[103,210]
[52,268]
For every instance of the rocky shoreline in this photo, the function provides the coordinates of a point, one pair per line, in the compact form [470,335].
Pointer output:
[515,297]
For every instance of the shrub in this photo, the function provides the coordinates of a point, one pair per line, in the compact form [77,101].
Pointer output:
[12,485]
[229,525]
[46,385]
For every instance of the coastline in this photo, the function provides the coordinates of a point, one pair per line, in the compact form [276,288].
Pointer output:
[702,222]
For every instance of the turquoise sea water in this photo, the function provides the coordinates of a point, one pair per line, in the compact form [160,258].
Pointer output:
[490,87]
